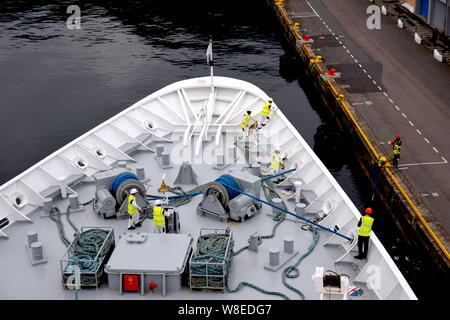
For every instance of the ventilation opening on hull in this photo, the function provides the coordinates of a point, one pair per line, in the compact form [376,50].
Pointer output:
[4,222]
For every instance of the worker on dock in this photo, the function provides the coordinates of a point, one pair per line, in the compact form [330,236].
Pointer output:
[133,209]
[382,161]
[397,142]
[265,113]
[159,219]
[365,227]
[396,157]
[276,163]
[245,124]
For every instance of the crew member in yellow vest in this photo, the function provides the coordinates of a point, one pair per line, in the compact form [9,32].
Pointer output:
[133,210]
[159,219]
[265,113]
[276,163]
[365,227]
[245,124]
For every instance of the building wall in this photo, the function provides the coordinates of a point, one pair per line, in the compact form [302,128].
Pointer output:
[437,14]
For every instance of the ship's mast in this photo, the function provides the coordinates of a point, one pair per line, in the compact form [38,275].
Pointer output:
[209,60]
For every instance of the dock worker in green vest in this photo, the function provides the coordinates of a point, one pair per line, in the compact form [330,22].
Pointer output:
[159,219]
[133,210]
[396,152]
[265,113]
[245,123]
[365,227]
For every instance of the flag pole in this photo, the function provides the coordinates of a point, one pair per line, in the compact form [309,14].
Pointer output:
[210,62]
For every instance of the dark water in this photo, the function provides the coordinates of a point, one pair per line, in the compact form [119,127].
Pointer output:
[56,83]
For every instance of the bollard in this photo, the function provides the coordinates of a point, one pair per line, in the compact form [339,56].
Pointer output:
[122,164]
[300,208]
[276,202]
[220,159]
[289,245]
[140,173]
[256,169]
[253,241]
[159,149]
[274,256]
[73,201]
[48,204]
[165,158]
[36,251]
[32,236]
[298,190]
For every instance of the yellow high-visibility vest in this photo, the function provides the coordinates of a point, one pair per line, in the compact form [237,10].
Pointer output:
[131,209]
[266,110]
[158,217]
[276,161]
[245,120]
[396,149]
[366,226]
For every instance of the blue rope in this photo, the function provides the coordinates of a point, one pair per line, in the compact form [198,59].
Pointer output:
[292,214]
[177,196]
[230,184]
[121,178]
[277,175]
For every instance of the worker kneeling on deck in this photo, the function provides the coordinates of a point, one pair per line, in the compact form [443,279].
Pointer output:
[245,124]
[365,227]
[159,219]
[265,113]
[133,209]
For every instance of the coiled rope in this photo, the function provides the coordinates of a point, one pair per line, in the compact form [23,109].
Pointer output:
[120,179]
[85,253]
[292,272]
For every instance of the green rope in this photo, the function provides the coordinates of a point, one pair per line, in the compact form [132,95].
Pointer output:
[85,253]
[292,272]
[55,215]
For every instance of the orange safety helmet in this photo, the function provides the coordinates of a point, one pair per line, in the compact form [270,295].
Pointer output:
[368,210]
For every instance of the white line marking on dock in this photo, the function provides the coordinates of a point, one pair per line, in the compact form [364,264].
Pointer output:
[374,82]
[426,140]
[421,164]
[435,194]
[435,150]
[443,159]
[391,101]
[348,51]
[418,131]
[312,8]
[396,107]
[359,64]
[358,103]
[379,88]
[425,194]
[352,56]
[404,115]
[365,71]
[412,124]
[356,61]
[344,47]
[403,168]
[385,94]
[370,77]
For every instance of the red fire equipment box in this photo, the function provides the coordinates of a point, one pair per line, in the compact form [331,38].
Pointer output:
[130,282]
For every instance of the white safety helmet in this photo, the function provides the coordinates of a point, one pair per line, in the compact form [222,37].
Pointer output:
[270,100]
[134,191]
[157,202]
